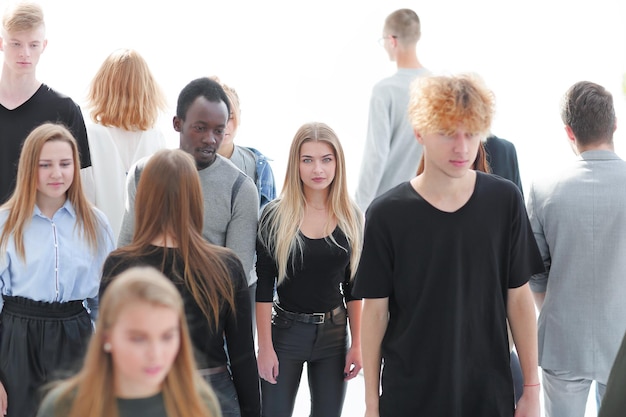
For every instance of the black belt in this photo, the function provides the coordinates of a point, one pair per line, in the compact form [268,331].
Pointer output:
[309,318]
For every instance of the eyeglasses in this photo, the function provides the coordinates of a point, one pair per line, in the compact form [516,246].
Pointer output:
[381,41]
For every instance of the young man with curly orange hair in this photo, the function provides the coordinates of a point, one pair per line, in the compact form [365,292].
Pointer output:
[446,260]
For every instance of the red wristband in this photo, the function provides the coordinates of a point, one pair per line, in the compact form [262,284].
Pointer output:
[532,385]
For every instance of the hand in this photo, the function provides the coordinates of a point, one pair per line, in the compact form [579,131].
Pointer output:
[528,404]
[267,362]
[3,400]
[353,363]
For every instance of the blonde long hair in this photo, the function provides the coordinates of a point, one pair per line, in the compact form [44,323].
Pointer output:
[22,202]
[169,198]
[281,219]
[91,391]
[124,93]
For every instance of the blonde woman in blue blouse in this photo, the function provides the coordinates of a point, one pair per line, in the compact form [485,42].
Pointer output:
[52,246]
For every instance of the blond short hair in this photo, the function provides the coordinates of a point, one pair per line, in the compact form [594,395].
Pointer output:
[22,16]
[404,25]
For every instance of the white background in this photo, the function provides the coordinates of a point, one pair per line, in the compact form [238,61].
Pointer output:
[297,61]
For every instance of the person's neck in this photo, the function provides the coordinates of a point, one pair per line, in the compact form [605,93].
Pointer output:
[165,240]
[445,192]
[49,206]
[16,89]
[226,150]
[316,200]
[126,390]
[408,60]
[604,146]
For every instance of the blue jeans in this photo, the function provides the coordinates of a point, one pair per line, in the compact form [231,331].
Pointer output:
[224,389]
[323,347]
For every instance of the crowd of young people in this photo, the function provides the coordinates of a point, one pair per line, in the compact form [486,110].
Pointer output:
[417,289]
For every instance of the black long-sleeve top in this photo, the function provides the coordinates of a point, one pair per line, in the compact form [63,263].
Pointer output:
[208,342]
[316,282]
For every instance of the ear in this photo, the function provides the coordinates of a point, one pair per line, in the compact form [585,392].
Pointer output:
[45,43]
[105,338]
[570,135]
[178,124]
[1,44]
[571,138]
[419,137]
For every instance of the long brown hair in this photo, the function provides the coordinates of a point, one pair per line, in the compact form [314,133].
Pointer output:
[169,202]
[278,230]
[22,202]
[91,391]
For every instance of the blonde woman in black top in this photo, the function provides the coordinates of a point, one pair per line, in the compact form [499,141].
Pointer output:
[308,246]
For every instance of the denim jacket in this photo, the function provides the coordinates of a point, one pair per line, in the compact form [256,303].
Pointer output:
[264,178]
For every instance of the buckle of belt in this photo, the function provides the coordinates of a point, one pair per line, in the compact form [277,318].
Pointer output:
[318,318]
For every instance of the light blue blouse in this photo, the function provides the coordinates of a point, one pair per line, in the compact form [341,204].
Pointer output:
[60,265]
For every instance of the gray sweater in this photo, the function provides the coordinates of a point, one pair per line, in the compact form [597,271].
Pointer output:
[231,206]
[391,152]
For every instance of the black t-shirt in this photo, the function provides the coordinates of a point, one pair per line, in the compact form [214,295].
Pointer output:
[46,105]
[207,341]
[447,276]
[316,281]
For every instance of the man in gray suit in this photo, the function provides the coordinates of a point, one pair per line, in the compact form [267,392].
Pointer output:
[579,220]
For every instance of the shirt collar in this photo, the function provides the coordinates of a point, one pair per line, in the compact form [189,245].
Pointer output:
[67,206]
[598,154]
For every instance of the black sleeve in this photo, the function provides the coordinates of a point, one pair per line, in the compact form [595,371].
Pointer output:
[240,342]
[374,276]
[76,124]
[113,266]
[525,258]
[267,272]
[347,287]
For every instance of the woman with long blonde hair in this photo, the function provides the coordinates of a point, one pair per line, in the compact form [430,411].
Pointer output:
[210,278]
[52,246]
[125,103]
[140,360]
[309,244]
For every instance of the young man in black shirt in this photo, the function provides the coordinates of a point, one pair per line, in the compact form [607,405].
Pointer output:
[446,260]
[25,102]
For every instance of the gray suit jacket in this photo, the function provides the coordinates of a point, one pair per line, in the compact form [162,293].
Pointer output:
[579,220]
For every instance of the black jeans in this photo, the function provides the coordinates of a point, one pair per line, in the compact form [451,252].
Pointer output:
[225,392]
[323,347]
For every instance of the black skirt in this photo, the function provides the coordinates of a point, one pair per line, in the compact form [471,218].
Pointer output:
[39,343]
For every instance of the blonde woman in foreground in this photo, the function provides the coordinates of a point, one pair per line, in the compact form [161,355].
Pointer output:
[140,361]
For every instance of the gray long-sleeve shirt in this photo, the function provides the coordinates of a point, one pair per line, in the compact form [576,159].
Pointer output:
[391,152]
[230,209]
